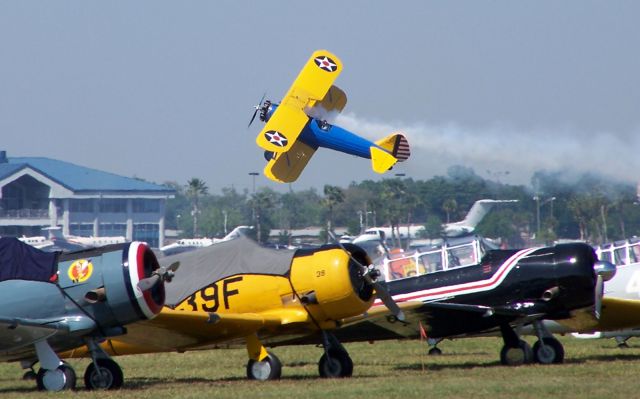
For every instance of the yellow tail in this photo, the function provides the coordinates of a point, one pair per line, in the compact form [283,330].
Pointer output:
[393,148]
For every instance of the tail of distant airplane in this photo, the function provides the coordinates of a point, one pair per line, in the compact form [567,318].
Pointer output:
[477,212]
[396,149]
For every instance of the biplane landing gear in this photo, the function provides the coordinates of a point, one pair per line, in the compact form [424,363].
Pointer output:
[515,351]
[103,372]
[547,349]
[622,342]
[335,362]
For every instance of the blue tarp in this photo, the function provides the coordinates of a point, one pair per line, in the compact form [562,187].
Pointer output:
[20,261]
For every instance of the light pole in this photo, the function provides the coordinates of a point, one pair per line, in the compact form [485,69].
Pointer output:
[538,206]
[253,175]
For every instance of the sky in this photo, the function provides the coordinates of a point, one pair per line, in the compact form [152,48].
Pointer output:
[164,90]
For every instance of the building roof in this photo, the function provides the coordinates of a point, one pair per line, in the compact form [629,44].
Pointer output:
[79,178]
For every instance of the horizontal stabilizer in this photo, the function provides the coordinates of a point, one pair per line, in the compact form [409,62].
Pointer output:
[381,161]
[396,143]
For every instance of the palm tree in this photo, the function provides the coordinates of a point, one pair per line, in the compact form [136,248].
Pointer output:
[333,195]
[449,206]
[196,188]
[260,202]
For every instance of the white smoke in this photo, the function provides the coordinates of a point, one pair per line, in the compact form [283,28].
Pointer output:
[501,148]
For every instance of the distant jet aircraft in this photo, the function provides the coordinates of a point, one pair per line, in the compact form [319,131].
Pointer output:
[57,241]
[297,126]
[449,230]
[189,244]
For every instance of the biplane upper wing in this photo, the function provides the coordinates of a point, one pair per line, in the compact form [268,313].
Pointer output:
[312,84]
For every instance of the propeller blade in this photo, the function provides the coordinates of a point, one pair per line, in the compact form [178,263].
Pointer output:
[257,109]
[370,278]
[148,283]
[598,298]
[388,301]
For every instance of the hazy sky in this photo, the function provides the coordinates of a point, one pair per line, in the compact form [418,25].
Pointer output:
[164,90]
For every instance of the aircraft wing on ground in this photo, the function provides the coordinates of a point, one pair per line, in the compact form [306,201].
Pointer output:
[177,330]
[311,86]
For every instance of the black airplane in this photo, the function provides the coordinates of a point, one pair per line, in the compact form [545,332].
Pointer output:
[467,290]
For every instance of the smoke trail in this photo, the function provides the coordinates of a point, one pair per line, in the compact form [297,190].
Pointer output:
[500,148]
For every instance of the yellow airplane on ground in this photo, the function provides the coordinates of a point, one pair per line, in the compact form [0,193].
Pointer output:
[297,126]
[238,292]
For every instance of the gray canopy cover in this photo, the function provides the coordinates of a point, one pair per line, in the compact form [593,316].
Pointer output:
[207,265]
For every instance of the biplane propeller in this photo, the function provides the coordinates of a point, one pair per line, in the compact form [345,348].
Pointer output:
[297,126]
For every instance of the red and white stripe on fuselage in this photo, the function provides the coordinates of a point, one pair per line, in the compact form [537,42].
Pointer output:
[464,288]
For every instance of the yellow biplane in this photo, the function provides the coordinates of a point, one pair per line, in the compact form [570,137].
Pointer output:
[297,126]
[240,293]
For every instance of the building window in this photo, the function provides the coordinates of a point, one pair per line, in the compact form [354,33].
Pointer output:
[113,205]
[81,229]
[81,205]
[112,230]
[146,206]
[148,232]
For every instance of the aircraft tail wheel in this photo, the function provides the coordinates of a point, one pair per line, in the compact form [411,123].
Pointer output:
[338,364]
[516,355]
[109,377]
[62,378]
[268,369]
[551,352]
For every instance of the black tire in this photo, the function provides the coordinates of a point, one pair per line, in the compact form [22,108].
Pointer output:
[516,356]
[552,352]
[435,351]
[340,364]
[69,378]
[268,369]
[111,372]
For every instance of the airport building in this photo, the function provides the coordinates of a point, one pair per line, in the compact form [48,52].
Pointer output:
[38,192]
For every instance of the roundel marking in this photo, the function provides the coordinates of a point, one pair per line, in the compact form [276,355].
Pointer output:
[80,270]
[276,138]
[325,63]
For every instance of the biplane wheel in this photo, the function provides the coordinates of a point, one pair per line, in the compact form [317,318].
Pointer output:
[62,378]
[551,352]
[110,376]
[268,369]
[338,365]
[435,351]
[29,375]
[516,355]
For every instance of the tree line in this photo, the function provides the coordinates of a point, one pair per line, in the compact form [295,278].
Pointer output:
[586,207]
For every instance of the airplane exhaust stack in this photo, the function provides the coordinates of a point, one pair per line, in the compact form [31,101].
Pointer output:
[95,296]
[550,293]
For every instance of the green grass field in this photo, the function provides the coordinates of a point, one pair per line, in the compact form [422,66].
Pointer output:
[468,368]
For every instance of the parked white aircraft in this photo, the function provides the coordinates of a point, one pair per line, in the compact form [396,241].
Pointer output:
[189,244]
[57,241]
[464,227]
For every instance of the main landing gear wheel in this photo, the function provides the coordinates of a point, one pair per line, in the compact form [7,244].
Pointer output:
[108,375]
[62,378]
[337,365]
[551,352]
[516,355]
[268,369]
[435,351]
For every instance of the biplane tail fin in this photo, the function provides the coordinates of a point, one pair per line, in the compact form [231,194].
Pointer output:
[396,143]
[393,148]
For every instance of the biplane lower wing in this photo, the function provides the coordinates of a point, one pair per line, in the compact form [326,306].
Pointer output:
[286,167]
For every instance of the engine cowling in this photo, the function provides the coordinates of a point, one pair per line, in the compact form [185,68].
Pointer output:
[330,282]
[104,282]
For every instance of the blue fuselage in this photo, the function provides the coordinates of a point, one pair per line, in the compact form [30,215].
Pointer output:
[318,133]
